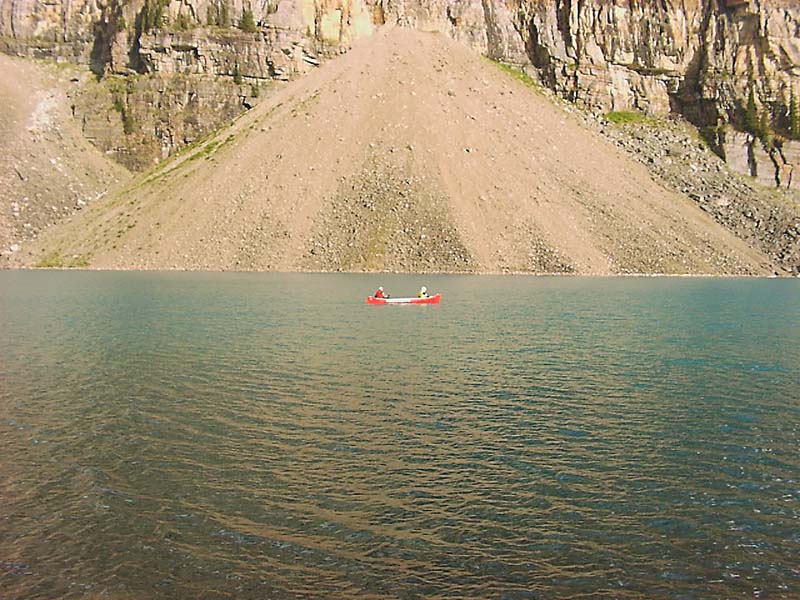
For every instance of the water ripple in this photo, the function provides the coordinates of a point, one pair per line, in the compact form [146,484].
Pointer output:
[170,436]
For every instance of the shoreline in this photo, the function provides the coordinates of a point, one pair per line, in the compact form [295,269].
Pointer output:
[415,273]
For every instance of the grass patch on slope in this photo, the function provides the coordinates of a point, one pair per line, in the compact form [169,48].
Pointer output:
[517,74]
[54,260]
[629,117]
[201,149]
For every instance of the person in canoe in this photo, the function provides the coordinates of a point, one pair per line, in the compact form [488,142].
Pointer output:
[423,292]
[380,293]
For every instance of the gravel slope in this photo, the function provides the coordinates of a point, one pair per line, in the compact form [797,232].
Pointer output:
[410,153]
[48,170]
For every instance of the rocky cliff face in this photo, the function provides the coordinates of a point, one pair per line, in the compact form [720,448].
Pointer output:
[267,38]
[413,154]
[173,71]
[704,59]
[726,65]
[708,60]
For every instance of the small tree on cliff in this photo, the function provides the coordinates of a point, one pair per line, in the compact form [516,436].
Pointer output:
[224,14]
[218,14]
[221,14]
[750,119]
[183,22]
[765,129]
[794,117]
[152,15]
[247,23]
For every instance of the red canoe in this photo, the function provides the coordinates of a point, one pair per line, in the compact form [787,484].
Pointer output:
[430,300]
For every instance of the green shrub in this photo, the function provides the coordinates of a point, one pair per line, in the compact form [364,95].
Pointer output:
[50,261]
[54,260]
[151,16]
[183,22]
[247,23]
[624,117]
[765,129]
[78,262]
[128,123]
[218,14]
[518,74]
[118,89]
[224,15]
[758,123]
[750,120]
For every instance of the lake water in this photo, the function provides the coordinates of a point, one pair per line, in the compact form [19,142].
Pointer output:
[272,436]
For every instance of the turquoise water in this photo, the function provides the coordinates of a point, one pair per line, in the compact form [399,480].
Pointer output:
[272,436]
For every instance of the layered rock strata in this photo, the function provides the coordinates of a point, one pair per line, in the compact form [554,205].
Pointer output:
[707,60]
[171,72]
[410,153]
[727,65]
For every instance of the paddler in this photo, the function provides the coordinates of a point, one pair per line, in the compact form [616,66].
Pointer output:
[380,294]
[423,292]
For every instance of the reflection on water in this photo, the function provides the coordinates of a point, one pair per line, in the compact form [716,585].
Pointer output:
[254,436]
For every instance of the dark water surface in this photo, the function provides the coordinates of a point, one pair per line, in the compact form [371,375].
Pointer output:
[272,436]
